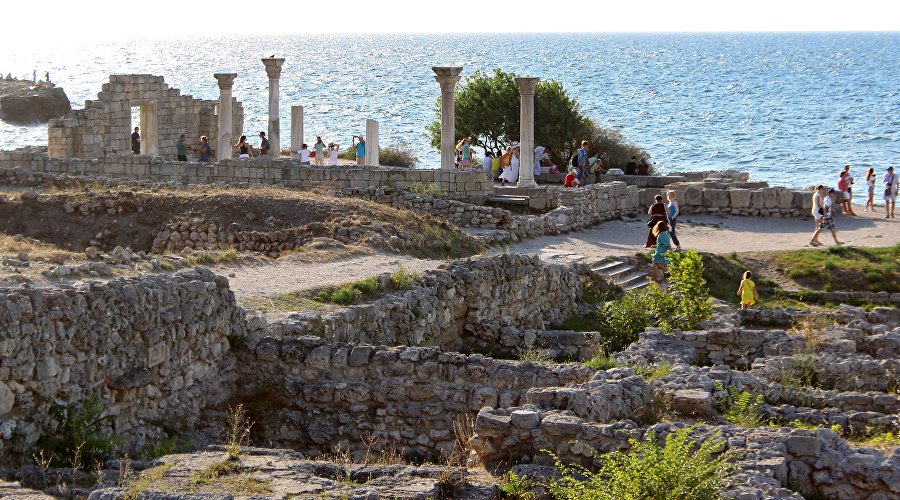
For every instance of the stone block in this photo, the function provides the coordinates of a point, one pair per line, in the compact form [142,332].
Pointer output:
[693,196]
[715,198]
[7,399]
[525,419]
[803,446]
[740,198]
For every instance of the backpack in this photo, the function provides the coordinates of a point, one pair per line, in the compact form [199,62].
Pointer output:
[575,159]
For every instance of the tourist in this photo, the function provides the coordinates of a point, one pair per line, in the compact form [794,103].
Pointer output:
[849,188]
[631,166]
[673,211]
[571,179]
[643,167]
[496,161]
[595,166]
[657,213]
[34,77]
[511,173]
[870,186]
[818,212]
[660,233]
[465,153]
[747,291]
[263,145]
[540,153]
[333,154]
[844,188]
[47,74]
[488,165]
[205,149]
[243,147]
[827,221]
[581,160]
[319,153]
[890,193]
[360,149]
[136,141]
[180,148]
[505,160]
[304,155]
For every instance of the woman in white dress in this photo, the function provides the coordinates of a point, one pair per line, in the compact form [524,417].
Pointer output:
[332,154]
[511,174]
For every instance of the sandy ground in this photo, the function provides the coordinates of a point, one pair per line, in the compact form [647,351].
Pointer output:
[717,234]
[707,233]
[289,273]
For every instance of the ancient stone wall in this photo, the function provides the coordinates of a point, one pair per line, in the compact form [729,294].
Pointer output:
[506,290]
[329,398]
[105,123]
[472,186]
[152,348]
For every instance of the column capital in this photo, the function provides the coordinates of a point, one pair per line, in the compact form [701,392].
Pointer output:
[447,76]
[527,84]
[226,80]
[273,66]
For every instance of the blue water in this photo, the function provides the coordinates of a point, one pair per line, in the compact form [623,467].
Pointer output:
[790,108]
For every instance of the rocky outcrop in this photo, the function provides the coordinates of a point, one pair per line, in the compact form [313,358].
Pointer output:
[24,103]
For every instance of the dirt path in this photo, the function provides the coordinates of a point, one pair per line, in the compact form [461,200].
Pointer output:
[293,272]
[717,234]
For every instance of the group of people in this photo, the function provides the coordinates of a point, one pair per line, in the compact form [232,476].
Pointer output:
[663,219]
[320,150]
[824,200]
[34,79]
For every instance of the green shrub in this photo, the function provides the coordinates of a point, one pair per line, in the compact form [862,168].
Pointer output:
[741,407]
[535,355]
[368,286]
[398,155]
[346,295]
[81,438]
[164,446]
[680,470]
[323,296]
[423,189]
[692,296]
[516,488]
[652,372]
[403,278]
[601,363]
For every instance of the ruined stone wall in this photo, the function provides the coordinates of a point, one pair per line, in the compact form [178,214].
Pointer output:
[106,122]
[152,348]
[505,290]
[329,398]
[472,186]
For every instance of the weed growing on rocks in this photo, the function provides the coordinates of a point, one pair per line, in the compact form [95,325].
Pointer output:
[602,363]
[535,355]
[741,407]
[237,432]
[679,470]
[404,278]
[517,488]
[81,434]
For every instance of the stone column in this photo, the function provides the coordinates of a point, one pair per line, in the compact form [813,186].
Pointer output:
[273,69]
[448,77]
[526,131]
[371,143]
[226,139]
[296,130]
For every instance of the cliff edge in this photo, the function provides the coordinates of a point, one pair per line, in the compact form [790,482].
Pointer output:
[25,103]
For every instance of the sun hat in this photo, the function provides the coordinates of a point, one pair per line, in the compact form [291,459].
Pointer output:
[514,145]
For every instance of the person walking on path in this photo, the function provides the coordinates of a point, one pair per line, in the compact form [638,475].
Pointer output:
[844,187]
[136,141]
[319,148]
[663,243]
[511,173]
[181,148]
[333,154]
[657,213]
[360,149]
[890,193]
[827,221]
[243,147]
[263,145]
[870,186]
[205,149]
[747,291]
[673,211]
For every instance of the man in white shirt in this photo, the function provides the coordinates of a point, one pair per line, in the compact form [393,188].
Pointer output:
[890,193]
[822,205]
[540,153]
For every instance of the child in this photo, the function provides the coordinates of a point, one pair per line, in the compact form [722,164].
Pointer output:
[304,155]
[747,291]
[572,180]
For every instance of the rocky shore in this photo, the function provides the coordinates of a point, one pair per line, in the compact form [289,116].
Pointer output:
[26,103]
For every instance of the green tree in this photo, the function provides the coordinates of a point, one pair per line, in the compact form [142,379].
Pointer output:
[487,112]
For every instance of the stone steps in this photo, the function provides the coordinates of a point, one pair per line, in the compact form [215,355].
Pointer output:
[509,199]
[628,276]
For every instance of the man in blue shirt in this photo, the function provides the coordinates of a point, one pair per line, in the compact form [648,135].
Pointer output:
[360,149]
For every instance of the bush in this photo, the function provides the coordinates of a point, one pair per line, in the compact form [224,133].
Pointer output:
[602,363]
[404,278]
[680,470]
[80,438]
[398,155]
[346,295]
[368,286]
[624,319]
[612,147]
[692,296]
[741,407]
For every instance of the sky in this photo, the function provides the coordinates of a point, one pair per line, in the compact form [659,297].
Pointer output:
[63,20]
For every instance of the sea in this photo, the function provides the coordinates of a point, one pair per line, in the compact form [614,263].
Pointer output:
[790,108]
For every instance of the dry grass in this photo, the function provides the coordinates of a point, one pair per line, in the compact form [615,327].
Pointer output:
[297,300]
[12,245]
[809,327]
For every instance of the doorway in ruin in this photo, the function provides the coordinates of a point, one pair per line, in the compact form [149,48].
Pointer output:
[144,116]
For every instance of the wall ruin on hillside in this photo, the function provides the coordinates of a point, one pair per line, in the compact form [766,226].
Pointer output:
[105,123]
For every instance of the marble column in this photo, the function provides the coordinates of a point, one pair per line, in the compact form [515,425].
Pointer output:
[273,69]
[372,143]
[226,138]
[448,77]
[526,131]
[296,130]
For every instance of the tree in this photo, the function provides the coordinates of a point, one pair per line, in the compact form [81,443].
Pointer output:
[487,112]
